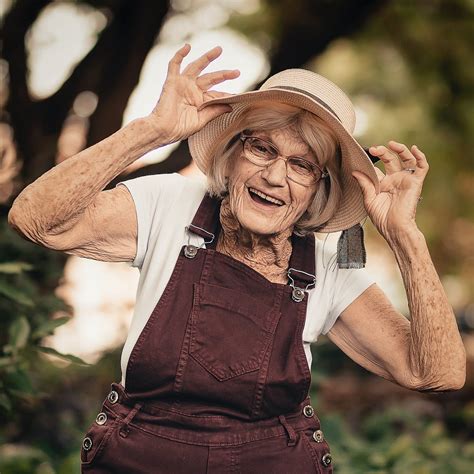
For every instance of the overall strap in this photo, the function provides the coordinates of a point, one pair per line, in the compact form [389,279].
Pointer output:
[302,261]
[206,219]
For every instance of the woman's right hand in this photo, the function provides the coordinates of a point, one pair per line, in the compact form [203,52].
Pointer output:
[176,116]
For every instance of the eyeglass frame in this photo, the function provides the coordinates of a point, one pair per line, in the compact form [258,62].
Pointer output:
[243,138]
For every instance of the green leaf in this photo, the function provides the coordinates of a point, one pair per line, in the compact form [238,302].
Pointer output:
[14,294]
[15,267]
[48,327]
[69,357]
[19,382]
[19,332]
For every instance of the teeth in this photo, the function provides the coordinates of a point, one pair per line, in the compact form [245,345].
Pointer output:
[266,197]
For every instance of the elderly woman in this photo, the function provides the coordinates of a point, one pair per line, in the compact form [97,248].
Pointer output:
[234,286]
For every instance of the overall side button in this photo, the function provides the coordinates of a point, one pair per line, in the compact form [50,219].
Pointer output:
[113,397]
[326,460]
[101,418]
[87,443]
[318,436]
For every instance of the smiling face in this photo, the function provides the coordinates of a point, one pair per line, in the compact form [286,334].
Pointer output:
[264,200]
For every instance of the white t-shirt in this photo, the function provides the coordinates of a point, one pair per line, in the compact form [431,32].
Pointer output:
[165,205]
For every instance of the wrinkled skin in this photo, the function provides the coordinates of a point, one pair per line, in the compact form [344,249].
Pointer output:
[267,219]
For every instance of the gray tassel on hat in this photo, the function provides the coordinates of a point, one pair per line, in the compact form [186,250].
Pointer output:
[350,248]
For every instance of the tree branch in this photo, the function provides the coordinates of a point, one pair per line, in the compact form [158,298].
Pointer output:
[308,27]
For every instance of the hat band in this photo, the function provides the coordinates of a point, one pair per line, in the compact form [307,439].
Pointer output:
[315,98]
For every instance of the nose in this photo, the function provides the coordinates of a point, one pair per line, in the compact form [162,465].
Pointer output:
[275,173]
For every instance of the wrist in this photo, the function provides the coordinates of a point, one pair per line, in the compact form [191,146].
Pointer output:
[407,236]
[157,129]
[148,135]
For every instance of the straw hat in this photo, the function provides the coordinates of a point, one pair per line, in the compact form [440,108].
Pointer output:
[312,92]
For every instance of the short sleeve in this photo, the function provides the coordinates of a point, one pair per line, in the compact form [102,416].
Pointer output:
[153,197]
[348,284]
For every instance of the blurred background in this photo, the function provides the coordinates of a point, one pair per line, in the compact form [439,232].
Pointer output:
[73,72]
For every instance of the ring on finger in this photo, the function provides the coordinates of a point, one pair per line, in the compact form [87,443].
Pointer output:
[411,170]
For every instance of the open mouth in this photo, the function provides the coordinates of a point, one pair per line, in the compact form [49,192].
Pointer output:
[265,199]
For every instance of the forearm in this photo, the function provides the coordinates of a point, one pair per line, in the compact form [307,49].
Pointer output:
[437,358]
[56,200]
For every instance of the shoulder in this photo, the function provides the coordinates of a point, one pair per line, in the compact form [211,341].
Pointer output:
[172,183]
[165,191]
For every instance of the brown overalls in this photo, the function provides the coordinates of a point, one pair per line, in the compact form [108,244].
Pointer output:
[218,380]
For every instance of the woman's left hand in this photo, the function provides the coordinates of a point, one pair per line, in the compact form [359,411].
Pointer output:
[393,209]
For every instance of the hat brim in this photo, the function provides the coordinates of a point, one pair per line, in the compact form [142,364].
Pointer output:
[351,209]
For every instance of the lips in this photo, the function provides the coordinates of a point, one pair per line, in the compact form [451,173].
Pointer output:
[264,198]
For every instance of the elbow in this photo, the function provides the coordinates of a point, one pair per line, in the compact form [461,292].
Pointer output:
[21,221]
[439,382]
[15,220]
[448,376]
[12,216]
[444,386]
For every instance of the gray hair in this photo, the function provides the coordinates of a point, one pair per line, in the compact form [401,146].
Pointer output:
[321,139]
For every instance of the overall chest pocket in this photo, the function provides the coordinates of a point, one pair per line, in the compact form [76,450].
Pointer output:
[230,332]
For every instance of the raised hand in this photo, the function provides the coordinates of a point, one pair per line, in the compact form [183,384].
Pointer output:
[393,209]
[176,115]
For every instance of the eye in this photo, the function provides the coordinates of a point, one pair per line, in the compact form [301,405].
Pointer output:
[301,166]
[261,148]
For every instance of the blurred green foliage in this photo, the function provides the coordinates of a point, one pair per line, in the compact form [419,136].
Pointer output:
[396,441]
[27,304]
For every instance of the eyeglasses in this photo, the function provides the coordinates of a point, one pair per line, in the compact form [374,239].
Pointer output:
[261,152]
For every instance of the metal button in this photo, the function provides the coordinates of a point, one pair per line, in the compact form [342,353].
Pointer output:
[190,251]
[318,436]
[308,411]
[87,443]
[326,459]
[101,418]
[113,397]
[297,295]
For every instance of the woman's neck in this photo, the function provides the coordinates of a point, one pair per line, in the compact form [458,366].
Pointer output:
[268,255]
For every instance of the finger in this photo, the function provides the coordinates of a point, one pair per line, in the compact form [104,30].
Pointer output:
[407,158]
[421,161]
[175,63]
[196,67]
[390,159]
[209,95]
[212,111]
[366,185]
[211,79]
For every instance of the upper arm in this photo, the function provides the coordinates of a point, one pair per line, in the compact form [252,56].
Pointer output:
[107,230]
[375,335]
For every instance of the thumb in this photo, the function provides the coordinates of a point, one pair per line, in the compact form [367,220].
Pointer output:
[366,185]
[212,111]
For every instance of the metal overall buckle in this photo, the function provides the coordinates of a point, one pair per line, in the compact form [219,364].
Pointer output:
[190,251]
[298,293]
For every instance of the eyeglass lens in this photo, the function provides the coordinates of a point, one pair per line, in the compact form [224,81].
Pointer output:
[263,153]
